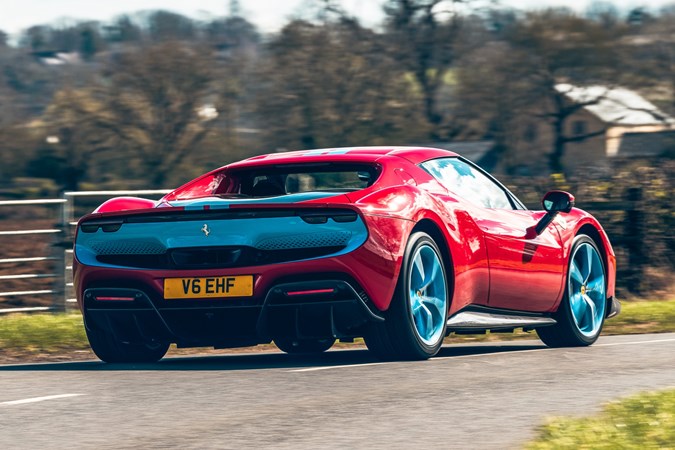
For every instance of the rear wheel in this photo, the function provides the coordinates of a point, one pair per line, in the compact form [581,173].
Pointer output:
[111,350]
[415,324]
[581,313]
[304,346]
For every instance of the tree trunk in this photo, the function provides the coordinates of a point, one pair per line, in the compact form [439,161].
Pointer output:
[555,158]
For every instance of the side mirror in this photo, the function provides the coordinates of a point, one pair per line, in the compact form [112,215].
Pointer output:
[558,201]
[554,202]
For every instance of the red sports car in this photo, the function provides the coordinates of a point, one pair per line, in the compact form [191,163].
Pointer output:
[398,245]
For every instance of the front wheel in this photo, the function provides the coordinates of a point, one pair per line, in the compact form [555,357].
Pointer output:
[415,324]
[581,313]
[111,350]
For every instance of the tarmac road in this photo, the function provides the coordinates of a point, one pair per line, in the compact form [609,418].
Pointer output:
[470,396]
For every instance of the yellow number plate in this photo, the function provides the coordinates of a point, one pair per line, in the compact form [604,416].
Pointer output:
[213,287]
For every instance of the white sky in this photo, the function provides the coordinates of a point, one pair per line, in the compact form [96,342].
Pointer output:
[268,15]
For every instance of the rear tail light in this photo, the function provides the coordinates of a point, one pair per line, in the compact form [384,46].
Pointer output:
[340,217]
[114,299]
[108,226]
[315,219]
[310,292]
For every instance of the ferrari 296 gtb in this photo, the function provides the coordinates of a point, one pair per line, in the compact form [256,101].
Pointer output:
[399,245]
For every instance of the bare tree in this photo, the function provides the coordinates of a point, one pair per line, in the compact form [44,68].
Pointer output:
[492,96]
[155,96]
[423,36]
[74,143]
[557,46]
[333,84]
[152,102]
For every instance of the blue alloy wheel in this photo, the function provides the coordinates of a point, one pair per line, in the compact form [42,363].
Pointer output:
[427,295]
[586,288]
[583,309]
[415,323]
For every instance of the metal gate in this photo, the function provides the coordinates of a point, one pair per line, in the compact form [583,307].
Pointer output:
[58,253]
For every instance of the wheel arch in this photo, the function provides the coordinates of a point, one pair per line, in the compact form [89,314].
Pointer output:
[430,227]
[593,233]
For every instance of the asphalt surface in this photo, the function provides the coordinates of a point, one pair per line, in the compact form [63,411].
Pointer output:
[470,396]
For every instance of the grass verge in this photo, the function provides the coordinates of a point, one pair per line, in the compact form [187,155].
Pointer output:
[24,336]
[42,333]
[643,421]
[639,317]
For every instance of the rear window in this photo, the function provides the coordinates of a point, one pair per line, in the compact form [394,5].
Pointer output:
[281,180]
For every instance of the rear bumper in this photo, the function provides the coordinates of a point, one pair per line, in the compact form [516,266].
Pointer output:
[312,309]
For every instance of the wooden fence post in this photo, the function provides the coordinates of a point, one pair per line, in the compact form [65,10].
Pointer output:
[635,234]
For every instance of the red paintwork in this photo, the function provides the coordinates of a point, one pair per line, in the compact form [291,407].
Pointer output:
[493,259]
[124,204]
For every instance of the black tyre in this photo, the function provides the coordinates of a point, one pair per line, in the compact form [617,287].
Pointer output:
[304,346]
[415,323]
[110,350]
[582,312]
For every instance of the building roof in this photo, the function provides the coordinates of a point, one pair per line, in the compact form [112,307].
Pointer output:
[617,106]
[637,145]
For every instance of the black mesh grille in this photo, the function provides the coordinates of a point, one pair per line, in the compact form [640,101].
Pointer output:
[216,257]
[308,240]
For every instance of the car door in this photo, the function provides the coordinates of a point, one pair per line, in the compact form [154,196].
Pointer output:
[526,271]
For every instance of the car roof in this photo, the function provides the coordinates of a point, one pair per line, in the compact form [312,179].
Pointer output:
[344,154]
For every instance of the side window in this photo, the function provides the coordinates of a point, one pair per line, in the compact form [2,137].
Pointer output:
[468,182]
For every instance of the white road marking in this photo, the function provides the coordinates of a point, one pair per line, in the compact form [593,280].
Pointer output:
[315,369]
[611,344]
[38,399]
[479,355]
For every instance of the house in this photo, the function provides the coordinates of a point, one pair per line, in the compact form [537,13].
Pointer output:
[595,131]
[646,145]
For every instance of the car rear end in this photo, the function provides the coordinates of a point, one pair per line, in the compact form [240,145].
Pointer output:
[224,277]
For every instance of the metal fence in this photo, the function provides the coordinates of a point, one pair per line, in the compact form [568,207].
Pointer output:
[60,254]
[74,204]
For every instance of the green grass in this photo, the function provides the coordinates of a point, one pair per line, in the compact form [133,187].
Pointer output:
[41,333]
[53,334]
[645,421]
[643,317]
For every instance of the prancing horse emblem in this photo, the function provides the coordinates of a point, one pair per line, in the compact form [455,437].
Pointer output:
[206,230]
